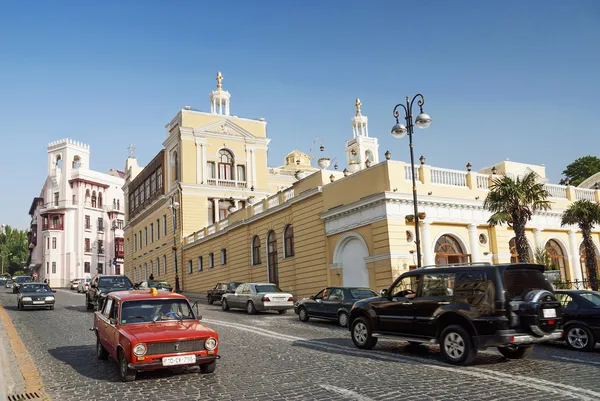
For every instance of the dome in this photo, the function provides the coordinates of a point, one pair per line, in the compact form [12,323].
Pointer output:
[297,158]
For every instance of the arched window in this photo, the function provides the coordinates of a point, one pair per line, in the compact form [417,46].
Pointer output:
[557,256]
[448,251]
[256,250]
[368,155]
[94,199]
[100,200]
[58,161]
[114,203]
[174,166]
[76,162]
[288,237]
[118,204]
[272,257]
[164,264]
[87,196]
[225,165]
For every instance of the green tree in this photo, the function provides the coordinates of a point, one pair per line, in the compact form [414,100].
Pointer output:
[586,215]
[581,169]
[513,201]
[542,257]
[13,250]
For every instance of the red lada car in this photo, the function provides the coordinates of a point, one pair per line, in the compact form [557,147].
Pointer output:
[148,329]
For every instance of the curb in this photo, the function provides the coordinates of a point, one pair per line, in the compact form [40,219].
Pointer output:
[27,368]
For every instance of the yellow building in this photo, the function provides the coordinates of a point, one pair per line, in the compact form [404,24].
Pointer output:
[237,220]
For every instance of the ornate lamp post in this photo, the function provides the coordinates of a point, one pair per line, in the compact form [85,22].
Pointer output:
[399,131]
[174,206]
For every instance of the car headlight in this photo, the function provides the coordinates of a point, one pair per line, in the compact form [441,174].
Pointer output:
[49,298]
[26,299]
[102,294]
[210,344]
[140,350]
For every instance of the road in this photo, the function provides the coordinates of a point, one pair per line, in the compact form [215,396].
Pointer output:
[273,357]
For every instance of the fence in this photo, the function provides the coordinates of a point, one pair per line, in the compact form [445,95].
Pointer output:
[575,285]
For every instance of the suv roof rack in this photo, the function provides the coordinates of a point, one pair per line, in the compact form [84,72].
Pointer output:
[458,265]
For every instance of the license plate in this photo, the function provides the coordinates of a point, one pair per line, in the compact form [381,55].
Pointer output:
[178,360]
[279,299]
[548,313]
[38,302]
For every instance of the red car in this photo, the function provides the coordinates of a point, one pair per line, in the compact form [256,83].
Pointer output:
[148,329]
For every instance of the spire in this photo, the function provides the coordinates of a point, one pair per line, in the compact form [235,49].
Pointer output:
[131,149]
[359,122]
[358,104]
[219,98]
[219,79]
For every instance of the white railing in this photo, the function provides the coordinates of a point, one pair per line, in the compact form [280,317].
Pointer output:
[444,176]
[407,174]
[200,234]
[241,184]
[288,194]
[223,224]
[211,181]
[582,193]
[273,201]
[211,229]
[258,208]
[190,238]
[483,181]
[225,183]
[556,191]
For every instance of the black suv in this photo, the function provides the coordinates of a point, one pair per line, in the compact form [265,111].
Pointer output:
[101,285]
[464,308]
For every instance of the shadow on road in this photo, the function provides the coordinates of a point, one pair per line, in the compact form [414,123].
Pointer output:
[80,308]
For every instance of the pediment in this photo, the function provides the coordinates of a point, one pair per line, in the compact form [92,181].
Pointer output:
[226,127]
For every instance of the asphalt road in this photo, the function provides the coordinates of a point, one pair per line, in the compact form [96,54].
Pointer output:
[273,357]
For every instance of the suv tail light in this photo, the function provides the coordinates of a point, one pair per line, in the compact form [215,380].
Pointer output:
[265,299]
[291,299]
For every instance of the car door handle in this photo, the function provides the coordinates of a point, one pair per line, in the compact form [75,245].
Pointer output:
[443,303]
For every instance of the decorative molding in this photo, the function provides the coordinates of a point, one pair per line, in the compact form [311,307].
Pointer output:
[334,266]
[386,256]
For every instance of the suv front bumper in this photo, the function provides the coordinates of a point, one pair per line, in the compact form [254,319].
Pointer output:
[510,337]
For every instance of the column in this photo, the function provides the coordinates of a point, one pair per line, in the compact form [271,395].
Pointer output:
[574,250]
[537,239]
[198,163]
[426,249]
[216,209]
[220,105]
[254,168]
[474,243]
[227,107]
[204,166]
[366,130]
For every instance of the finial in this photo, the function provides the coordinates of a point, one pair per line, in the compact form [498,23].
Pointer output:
[131,149]
[219,79]
[358,104]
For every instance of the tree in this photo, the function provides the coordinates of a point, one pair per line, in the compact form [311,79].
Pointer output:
[13,249]
[513,201]
[586,215]
[581,169]
[542,257]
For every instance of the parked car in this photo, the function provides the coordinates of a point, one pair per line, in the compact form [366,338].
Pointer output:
[18,281]
[255,297]
[84,284]
[9,284]
[3,281]
[221,288]
[332,303]
[464,308]
[581,318]
[75,283]
[101,286]
[35,295]
[159,285]
[147,330]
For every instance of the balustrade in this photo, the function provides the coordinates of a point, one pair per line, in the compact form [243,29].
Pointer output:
[453,178]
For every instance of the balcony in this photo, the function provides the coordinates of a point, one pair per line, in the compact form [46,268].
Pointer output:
[57,205]
[226,183]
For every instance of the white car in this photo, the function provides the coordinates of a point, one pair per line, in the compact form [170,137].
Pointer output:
[254,297]
[75,283]
[84,284]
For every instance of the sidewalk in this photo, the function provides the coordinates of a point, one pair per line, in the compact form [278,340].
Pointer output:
[11,381]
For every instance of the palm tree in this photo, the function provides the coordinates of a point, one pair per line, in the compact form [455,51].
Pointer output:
[513,201]
[585,214]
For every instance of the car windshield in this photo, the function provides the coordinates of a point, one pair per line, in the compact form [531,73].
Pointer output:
[114,282]
[360,293]
[23,279]
[267,288]
[155,310]
[593,297]
[158,284]
[36,288]
[519,281]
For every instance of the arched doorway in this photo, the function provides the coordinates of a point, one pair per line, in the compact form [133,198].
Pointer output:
[514,255]
[272,266]
[449,251]
[557,256]
[350,252]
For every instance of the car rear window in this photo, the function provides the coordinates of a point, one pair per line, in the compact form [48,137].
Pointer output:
[114,282]
[267,288]
[519,281]
[593,297]
[362,294]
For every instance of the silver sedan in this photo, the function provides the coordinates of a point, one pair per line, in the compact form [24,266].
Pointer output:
[254,297]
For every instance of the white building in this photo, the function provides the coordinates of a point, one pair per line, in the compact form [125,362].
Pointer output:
[78,218]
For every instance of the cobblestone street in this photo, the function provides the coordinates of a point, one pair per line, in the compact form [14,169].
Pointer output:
[268,356]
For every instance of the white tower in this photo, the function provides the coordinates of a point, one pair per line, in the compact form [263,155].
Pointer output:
[361,147]
[219,99]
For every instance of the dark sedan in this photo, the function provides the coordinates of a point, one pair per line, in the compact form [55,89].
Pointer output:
[20,280]
[220,289]
[581,317]
[332,303]
[35,295]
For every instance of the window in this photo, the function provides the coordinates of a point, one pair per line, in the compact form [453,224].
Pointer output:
[159,179]
[151,268]
[47,267]
[100,268]
[157,229]
[256,250]
[241,173]
[140,237]
[225,165]
[118,204]
[174,222]
[153,183]
[147,189]
[405,286]
[272,258]
[100,247]
[151,232]
[164,264]
[438,285]
[199,263]
[336,295]
[74,199]
[86,267]
[134,242]
[174,166]
[190,269]
[448,251]
[173,260]
[53,242]
[100,224]
[210,168]
[100,200]
[289,241]
[164,222]
[107,307]
[88,223]
[53,267]
[145,236]
[566,301]
[56,199]
[223,256]
[211,260]
[88,247]
[47,242]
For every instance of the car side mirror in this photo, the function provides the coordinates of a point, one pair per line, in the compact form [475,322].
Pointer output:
[112,321]
[312,297]
[383,293]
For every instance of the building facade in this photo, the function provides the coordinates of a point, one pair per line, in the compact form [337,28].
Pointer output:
[77,221]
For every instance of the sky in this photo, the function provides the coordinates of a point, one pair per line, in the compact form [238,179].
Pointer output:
[502,80]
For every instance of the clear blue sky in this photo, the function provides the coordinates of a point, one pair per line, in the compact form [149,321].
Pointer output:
[510,79]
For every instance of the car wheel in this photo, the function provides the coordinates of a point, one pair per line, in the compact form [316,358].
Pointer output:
[224,305]
[208,367]
[303,315]
[101,352]
[579,338]
[343,319]
[456,346]
[515,352]
[127,375]
[210,301]
[88,305]
[362,333]
[250,308]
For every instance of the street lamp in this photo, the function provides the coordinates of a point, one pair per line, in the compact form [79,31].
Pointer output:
[399,131]
[174,206]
